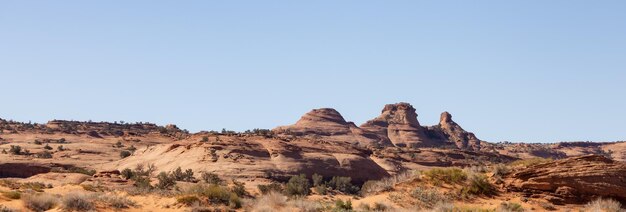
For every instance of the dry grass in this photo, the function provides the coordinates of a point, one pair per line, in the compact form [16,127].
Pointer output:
[12,194]
[605,205]
[40,202]
[269,202]
[114,201]
[387,184]
[530,162]
[78,202]
[7,209]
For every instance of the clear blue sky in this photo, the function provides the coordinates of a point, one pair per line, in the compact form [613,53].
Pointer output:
[508,70]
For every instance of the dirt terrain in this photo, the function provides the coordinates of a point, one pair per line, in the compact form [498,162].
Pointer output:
[388,163]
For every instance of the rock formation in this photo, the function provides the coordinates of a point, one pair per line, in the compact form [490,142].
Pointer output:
[454,133]
[572,180]
[398,122]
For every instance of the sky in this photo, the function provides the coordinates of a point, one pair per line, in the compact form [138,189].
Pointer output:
[521,71]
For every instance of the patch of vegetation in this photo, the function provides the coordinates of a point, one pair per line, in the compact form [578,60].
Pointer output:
[239,188]
[530,162]
[269,188]
[340,205]
[477,185]
[215,194]
[114,201]
[165,181]
[12,194]
[16,150]
[211,178]
[35,186]
[428,197]
[77,202]
[298,186]
[447,175]
[40,202]
[607,205]
[186,176]
[125,154]
[343,184]
[510,207]
[7,209]
[45,154]
[48,147]
[188,200]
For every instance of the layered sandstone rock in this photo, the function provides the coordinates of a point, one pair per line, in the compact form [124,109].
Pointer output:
[454,133]
[572,180]
[328,124]
[398,122]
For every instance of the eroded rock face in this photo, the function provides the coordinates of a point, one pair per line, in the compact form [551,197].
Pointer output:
[454,133]
[398,122]
[572,180]
[330,125]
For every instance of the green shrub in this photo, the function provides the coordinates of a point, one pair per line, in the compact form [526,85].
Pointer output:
[44,154]
[165,181]
[273,187]
[15,150]
[127,173]
[343,184]
[298,186]
[124,154]
[216,194]
[321,189]
[77,202]
[477,185]
[12,194]
[187,200]
[186,176]
[448,175]
[35,186]
[340,205]
[239,188]
[211,178]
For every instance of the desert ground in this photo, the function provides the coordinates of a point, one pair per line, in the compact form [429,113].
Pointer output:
[320,163]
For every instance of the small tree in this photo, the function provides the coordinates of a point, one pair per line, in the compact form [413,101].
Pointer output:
[127,173]
[298,186]
[15,150]
[166,181]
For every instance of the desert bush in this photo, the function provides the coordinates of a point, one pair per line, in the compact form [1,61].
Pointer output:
[114,201]
[165,181]
[37,142]
[340,205]
[317,179]
[7,209]
[211,178]
[321,189]
[77,202]
[303,205]
[215,194]
[35,186]
[477,185]
[509,207]
[44,154]
[204,139]
[48,147]
[428,197]
[60,148]
[127,173]
[298,186]
[124,154]
[186,176]
[15,150]
[12,194]
[607,205]
[272,187]
[448,175]
[530,162]
[40,202]
[239,188]
[272,201]
[343,184]
[92,187]
[386,184]
[501,170]
[444,207]
[187,200]
[132,148]
[477,169]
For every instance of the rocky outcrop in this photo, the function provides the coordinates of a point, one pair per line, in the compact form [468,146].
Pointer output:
[454,133]
[398,122]
[572,180]
[330,125]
